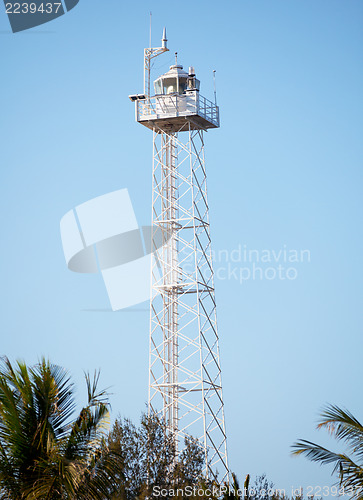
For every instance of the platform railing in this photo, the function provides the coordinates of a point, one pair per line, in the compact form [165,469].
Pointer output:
[174,105]
[208,110]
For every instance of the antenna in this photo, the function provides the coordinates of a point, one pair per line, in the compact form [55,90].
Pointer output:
[149,54]
[164,40]
[215,89]
[151,15]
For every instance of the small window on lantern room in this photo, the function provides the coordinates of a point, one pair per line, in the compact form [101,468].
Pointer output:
[158,87]
[182,86]
[170,86]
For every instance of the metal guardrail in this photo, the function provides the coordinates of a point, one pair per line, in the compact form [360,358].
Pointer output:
[173,105]
[208,110]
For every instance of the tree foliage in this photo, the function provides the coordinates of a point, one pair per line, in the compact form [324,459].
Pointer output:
[343,426]
[44,452]
[149,459]
[48,453]
[261,489]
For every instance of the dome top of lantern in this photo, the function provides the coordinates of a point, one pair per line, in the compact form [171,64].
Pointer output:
[176,81]
[175,70]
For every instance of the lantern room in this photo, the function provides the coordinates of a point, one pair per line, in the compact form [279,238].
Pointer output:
[176,81]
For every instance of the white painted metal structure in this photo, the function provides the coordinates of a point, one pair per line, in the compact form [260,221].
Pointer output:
[185,386]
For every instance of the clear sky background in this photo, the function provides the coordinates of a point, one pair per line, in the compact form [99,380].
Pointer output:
[285,168]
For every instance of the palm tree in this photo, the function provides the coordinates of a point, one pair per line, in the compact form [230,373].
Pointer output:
[44,453]
[344,427]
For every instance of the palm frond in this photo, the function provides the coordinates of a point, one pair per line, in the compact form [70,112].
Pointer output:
[343,426]
[95,395]
[43,453]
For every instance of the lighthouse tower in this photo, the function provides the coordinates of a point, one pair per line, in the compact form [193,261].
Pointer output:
[185,387]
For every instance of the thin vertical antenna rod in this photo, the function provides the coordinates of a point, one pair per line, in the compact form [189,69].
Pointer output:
[215,88]
[151,14]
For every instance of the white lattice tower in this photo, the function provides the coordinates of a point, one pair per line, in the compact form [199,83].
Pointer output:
[185,387]
[185,374]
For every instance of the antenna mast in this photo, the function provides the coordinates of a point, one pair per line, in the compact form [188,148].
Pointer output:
[215,88]
[149,54]
[151,14]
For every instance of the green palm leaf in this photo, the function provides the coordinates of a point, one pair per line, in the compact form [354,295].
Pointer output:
[342,425]
[44,453]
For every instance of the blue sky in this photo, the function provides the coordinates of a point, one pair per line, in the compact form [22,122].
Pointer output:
[285,168]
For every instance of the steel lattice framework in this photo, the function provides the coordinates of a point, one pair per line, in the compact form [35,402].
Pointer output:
[185,387]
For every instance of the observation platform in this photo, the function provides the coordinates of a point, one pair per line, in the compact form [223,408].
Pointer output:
[177,112]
